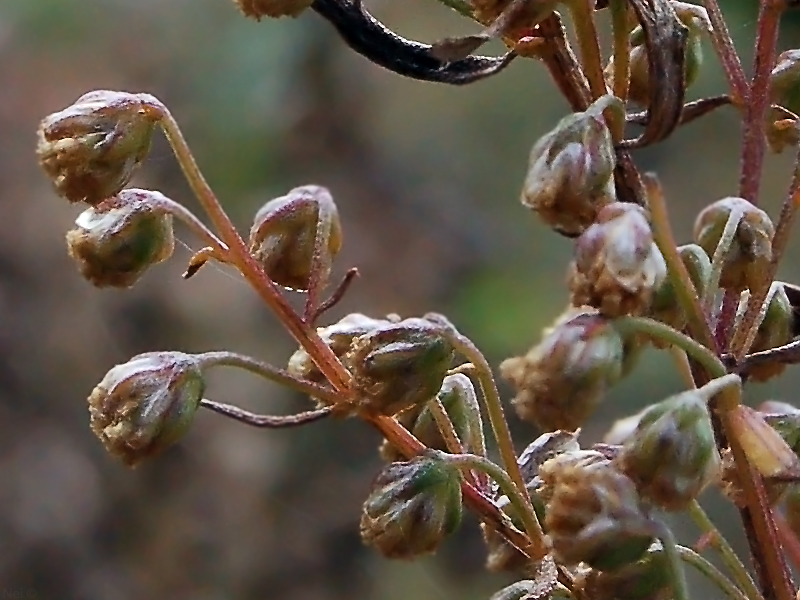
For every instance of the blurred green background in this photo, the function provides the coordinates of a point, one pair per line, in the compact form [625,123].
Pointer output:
[427,180]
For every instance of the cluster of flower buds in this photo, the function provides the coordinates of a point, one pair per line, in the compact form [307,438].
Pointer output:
[560,381]
[571,170]
[413,506]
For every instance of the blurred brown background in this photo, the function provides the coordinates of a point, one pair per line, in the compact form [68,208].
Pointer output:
[426,178]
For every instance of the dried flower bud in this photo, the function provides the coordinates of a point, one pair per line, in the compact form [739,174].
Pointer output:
[115,242]
[91,148]
[775,330]
[594,514]
[617,266]
[413,506]
[764,444]
[784,81]
[781,133]
[672,456]
[146,404]
[571,169]
[560,381]
[647,579]
[284,236]
[399,365]
[748,257]
[255,9]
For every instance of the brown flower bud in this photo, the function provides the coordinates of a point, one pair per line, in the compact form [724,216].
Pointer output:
[672,455]
[750,252]
[413,506]
[560,381]
[617,266]
[594,514]
[285,233]
[571,170]
[785,81]
[766,445]
[775,330]
[146,404]
[115,242]
[255,9]
[91,149]
[398,366]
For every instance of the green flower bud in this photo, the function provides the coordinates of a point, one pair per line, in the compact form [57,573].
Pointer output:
[91,149]
[146,404]
[775,330]
[617,266]
[672,456]
[115,242]
[594,514]
[646,579]
[749,255]
[284,236]
[571,170]
[398,366]
[785,81]
[256,9]
[560,381]
[413,506]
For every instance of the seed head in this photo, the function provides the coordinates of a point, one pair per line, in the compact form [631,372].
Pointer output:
[146,404]
[91,149]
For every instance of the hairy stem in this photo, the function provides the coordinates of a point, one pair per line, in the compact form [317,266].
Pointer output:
[680,590]
[622,47]
[720,257]
[723,45]
[690,557]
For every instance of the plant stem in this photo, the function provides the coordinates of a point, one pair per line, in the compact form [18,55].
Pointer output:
[446,429]
[690,557]
[267,421]
[267,371]
[729,557]
[789,541]
[462,7]
[679,589]
[723,45]
[582,12]
[199,228]
[682,364]
[622,46]
[720,257]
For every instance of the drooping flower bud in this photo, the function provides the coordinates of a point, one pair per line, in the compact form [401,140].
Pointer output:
[781,132]
[255,9]
[91,149]
[413,506]
[750,252]
[594,514]
[775,330]
[146,404]
[672,456]
[647,579]
[617,266]
[115,242]
[784,81]
[399,365]
[285,232]
[560,381]
[571,169]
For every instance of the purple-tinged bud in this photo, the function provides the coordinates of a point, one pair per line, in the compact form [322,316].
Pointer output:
[775,330]
[784,81]
[671,457]
[399,365]
[594,513]
[750,252]
[284,236]
[115,242]
[647,579]
[91,149]
[560,381]
[146,404]
[255,9]
[571,170]
[617,266]
[413,506]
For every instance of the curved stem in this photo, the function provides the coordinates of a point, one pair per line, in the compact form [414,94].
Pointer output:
[720,257]
[619,21]
[266,421]
[451,440]
[690,557]
[723,45]
[179,211]
[729,557]
[679,589]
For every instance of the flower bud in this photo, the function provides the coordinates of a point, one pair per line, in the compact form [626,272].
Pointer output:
[91,148]
[594,514]
[781,133]
[146,404]
[413,506]
[784,81]
[768,446]
[617,266]
[560,381]
[571,170]
[115,242]
[750,252]
[792,509]
[284,236]
[672,455]
[775,330]
[646,579]
[256,9]
[399,365]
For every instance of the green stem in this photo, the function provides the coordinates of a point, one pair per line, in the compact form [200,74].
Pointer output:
[650,327]
[199,228]
[582,12]
[267,371]
[619,21]
[446,428]
[729,557]
[476,443]
[680,590]
[721,256]
[690,557]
